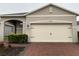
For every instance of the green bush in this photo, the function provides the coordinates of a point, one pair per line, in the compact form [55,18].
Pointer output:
[23,38]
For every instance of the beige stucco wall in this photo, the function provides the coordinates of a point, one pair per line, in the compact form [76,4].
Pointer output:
[74,29]
[77,27]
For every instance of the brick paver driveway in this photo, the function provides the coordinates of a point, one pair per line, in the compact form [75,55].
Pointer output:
[52,49]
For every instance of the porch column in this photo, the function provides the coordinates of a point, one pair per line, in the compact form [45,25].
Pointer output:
[24,27]
[1,31]
[74,36]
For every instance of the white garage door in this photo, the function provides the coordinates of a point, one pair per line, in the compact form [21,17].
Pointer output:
[51,33]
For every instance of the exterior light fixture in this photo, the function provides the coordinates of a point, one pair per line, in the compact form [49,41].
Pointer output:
[27,26]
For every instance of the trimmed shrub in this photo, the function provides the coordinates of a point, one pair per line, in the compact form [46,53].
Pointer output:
[23,38]
[12,38]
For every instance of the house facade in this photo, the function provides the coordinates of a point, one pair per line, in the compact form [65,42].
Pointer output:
[49,23]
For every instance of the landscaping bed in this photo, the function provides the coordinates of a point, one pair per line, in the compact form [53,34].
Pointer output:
[13,45]
[10,51]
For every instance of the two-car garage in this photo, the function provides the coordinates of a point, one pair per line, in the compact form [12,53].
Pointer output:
[51,24]
[51,33]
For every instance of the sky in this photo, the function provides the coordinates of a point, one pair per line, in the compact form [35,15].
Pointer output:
[24,7]
[6,8]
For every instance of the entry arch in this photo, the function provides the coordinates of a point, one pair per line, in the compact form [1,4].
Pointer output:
[13,26]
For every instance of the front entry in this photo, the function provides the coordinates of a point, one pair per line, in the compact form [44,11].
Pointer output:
[13,27]
[51,33]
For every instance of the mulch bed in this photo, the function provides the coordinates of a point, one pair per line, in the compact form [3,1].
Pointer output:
[11,50]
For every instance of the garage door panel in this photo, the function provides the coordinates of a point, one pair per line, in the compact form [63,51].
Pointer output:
[36,36]
[61,33]
[51,33]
